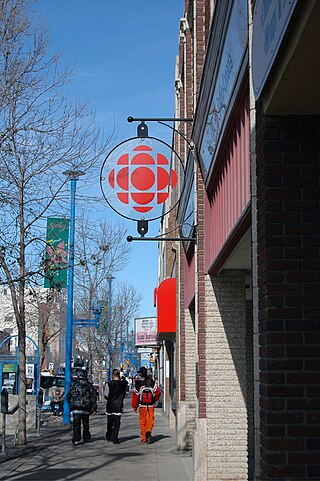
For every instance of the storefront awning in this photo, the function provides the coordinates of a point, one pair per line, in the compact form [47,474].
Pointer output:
[165,301]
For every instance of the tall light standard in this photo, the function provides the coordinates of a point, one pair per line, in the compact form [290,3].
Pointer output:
[73,176]
[127,335]
[97,307]
[109,279]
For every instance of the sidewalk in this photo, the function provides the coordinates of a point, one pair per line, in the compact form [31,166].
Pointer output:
[53,456]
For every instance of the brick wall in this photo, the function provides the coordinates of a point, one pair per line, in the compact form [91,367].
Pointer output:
[226,388]
[250,386]
[201,27]
[190,380]
[181,333]
[193,36]
[191,57]
[185,109]
[288,196]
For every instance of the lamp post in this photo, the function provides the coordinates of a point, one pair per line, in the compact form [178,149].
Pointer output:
[121,336]
[109,279]
[73,176]
[127,335]
[96,308]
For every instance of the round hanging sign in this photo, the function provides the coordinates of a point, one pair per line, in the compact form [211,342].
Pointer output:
[137,177]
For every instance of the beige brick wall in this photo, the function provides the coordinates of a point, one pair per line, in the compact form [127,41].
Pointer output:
[226,376]
[186,413]
[190,378]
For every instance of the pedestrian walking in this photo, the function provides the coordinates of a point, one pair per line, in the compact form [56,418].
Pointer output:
[82,398]
[57,399]
[144,396]
[114,393]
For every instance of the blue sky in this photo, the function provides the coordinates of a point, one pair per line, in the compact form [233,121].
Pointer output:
[123,56]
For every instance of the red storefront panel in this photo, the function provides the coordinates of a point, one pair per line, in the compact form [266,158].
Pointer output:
[165,297]
[229,190]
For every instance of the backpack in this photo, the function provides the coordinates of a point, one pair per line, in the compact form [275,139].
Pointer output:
[146,396]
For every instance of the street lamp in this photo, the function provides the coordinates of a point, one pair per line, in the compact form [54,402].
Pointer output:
[96,308]
[121,335]
[73,176]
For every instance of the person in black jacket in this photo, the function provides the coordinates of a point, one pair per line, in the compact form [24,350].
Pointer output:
[83,401]
[114,393]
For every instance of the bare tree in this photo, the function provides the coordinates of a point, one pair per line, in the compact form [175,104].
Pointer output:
[102,251]
[50,305]
[111,340]
[126,307]
[41,136]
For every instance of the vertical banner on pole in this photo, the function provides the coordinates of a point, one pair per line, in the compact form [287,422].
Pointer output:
[56,253]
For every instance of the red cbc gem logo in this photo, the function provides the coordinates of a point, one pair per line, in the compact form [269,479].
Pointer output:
[141,179]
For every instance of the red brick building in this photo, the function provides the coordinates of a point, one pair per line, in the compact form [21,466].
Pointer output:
[241,372]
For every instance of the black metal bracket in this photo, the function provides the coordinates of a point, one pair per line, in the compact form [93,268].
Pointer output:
[159,119]
[142,131]
[162,239]
[142,228]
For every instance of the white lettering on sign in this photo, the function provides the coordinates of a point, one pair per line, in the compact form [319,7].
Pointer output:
[232,53]
[146,331]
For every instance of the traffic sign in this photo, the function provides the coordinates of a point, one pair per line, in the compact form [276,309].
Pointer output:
[85,323]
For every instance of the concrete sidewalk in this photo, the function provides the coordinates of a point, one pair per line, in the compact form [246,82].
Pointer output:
[53,456]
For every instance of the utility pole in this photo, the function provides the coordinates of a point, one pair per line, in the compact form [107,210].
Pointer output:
[109,279]
[73,176]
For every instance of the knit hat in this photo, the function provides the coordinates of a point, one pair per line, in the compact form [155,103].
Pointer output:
[143,371]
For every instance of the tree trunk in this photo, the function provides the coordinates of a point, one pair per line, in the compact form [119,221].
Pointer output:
[43,314]
[22,425]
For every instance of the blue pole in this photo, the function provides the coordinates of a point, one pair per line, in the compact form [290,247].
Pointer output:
[109,365]
[66,407]
[110,278]
[121,339]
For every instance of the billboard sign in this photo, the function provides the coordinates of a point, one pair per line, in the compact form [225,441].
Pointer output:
[146,331]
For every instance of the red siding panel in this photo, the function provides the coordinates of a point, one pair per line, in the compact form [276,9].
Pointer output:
[230,189]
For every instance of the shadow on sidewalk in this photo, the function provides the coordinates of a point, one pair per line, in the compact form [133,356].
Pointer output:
[158,437]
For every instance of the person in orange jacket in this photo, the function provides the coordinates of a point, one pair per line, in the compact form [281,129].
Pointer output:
[145,394]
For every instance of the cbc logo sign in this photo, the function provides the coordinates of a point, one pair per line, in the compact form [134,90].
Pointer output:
[141,179]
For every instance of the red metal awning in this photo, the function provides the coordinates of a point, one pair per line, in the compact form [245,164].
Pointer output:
[165,301]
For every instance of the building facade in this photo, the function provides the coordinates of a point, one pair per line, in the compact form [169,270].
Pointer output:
[245,351]
[45,324]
